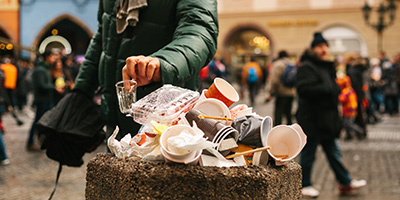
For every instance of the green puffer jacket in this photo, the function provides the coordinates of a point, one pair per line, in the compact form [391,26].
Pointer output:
[182,34]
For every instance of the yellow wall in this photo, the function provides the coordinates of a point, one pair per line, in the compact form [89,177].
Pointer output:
[9,18]
[293,29]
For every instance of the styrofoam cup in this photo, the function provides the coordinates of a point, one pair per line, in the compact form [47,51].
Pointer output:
[174,131]
[285,143]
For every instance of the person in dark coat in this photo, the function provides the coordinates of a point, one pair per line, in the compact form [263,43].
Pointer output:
[319,117]
[153,42]
[355,70]
[43,88]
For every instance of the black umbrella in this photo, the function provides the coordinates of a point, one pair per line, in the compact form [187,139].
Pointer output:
[72,128]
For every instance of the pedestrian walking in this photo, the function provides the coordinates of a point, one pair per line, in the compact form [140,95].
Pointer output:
[152,42]
[356,68]
[43,88]
[319,117]
[284,94]
[348,99]
[390,90]
[3,103]
[375,84]
[10,84]
[252,77]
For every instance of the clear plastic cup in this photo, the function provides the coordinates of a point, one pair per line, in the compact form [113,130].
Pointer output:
[126,93]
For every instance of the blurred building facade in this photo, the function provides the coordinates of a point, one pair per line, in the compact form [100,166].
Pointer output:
[33,26]
[9,26]
[263,27]
[64,24]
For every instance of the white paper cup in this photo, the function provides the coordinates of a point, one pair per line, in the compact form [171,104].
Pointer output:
[266,126]
[189,161]
[285,143]
[244,112]
[260,158]
[300,131]
[202,95]
[214,108]
[174,131]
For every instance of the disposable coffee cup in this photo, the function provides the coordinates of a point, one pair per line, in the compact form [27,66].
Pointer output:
[260,158]
[285,143]
[210,127]
[126,94]
[253,129]
[222,90]
[169,154]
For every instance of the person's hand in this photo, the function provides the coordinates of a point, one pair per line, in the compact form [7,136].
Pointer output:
[143,70]
[268,98]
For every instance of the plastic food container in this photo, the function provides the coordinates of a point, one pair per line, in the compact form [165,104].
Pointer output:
[164,105]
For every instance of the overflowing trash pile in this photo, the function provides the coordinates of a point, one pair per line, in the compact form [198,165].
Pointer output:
[184,126]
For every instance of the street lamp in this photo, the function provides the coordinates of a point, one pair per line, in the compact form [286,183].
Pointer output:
[381,24]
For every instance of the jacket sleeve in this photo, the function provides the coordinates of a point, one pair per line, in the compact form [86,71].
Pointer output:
[40,80]
[194,41]
[275,77]
[309,83]
[87,79]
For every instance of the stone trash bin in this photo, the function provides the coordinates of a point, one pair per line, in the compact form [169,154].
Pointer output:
[109,177]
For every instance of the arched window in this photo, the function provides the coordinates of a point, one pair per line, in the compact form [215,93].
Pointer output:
[345,40]
[245,42]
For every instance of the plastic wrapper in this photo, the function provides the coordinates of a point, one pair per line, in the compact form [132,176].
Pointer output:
[135,147]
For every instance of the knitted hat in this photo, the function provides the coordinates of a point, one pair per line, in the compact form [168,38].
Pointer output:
[318,38]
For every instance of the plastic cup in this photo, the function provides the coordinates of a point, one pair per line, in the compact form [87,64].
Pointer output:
[222,90]
[126,93]
[285,143]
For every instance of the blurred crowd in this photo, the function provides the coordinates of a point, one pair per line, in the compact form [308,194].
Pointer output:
[20,78]
[375,81]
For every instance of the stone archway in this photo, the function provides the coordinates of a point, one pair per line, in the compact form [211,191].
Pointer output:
[344,39]
[69,27]
[247,40]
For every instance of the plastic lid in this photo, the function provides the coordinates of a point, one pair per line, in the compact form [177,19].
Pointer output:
[164,105]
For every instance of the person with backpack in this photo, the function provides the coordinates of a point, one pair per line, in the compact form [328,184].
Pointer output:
[281,86]
[251,76]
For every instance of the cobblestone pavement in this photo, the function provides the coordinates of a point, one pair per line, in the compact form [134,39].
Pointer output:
[31,175]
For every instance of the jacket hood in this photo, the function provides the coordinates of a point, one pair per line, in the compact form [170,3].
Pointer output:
[309,54]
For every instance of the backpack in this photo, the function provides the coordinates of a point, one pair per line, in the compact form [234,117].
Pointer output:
[289,75]
[252,76]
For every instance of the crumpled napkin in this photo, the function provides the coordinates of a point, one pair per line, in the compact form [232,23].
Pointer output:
[186,141]
[128,147]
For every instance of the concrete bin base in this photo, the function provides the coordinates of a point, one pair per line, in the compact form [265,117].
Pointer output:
[109,177]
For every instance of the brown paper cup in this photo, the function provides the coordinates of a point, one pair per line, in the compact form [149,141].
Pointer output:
[210,127]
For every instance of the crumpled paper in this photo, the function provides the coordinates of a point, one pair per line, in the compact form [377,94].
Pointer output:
[185,141]
[128,146]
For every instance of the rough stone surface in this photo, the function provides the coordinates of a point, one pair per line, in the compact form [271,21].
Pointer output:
[109,177]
